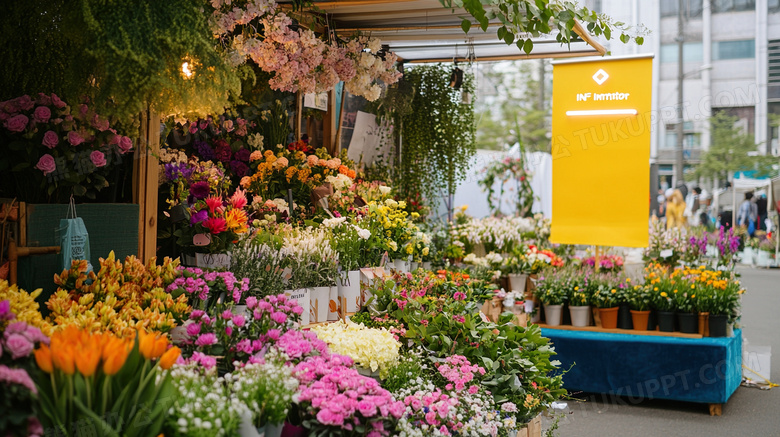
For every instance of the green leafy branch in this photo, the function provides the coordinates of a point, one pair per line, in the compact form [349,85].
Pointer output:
[522,20]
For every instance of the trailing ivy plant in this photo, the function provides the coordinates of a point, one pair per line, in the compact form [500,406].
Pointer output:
[523,19]
[438,134]
[126,56]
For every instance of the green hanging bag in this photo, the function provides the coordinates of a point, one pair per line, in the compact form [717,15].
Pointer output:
[74,239]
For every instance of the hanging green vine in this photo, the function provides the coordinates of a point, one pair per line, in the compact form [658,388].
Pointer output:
[437,134]
[124,55]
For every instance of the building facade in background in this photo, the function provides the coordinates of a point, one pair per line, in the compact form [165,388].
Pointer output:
[731,56]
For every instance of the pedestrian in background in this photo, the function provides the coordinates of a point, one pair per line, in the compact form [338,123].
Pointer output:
[705,202]
[675,210]
[692,207]
[761,206]
[661,200]
[748,214]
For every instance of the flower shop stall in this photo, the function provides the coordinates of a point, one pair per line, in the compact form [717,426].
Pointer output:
[302,292]
[671,335]
[679,317]
[704,370]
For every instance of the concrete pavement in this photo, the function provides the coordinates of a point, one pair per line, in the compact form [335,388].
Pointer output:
[749,412]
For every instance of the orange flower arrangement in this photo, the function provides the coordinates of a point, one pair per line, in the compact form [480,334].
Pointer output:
[275,173]
[121,297]
[87,375]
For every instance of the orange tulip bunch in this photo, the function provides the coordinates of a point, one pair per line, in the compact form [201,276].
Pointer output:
[77,349]
[95,377]
[155,346]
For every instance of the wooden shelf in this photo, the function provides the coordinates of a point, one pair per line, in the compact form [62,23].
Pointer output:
[620,331]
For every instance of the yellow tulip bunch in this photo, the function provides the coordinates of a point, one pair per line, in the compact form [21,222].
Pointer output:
[95,378]
[23,304]
[120,299]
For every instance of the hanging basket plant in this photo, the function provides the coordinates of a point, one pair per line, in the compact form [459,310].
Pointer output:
[438,134]
[298,59]
[511,174]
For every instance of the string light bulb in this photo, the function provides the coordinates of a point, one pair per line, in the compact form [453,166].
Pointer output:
[186,71]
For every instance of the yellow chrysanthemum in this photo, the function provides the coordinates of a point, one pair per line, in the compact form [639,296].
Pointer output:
[236,220]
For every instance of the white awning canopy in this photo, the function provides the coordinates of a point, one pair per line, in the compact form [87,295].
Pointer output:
[425,31]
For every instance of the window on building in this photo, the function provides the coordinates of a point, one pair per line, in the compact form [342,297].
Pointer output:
[773,5]
[691,8]
[742,49]
[692,52]
[691,139]
[773,52]
[733,5]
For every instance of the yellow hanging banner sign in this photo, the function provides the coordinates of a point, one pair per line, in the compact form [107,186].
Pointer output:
[601,122]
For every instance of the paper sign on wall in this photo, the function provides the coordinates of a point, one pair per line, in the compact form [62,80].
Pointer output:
[364,139]
[316,101]
[601,151]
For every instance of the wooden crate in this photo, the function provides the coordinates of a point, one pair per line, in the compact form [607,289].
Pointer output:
[532,428]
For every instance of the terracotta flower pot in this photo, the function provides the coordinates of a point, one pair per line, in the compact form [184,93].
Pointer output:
[639,318]
[609,317]
[704,325]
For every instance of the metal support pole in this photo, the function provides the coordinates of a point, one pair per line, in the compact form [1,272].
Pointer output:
[679,156]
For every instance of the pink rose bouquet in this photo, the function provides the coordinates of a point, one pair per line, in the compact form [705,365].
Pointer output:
[470,411]
[54,150]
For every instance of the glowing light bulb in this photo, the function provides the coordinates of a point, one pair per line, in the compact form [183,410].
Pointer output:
[185,69]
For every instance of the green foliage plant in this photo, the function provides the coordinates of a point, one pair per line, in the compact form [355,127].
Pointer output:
[522,20]
[438,134]
[126,56]
[639,298]
[518,361]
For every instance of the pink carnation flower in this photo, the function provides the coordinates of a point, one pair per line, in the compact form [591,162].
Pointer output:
[239,320]
[206,340]
[16,376]
[279,317]
[193,329]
